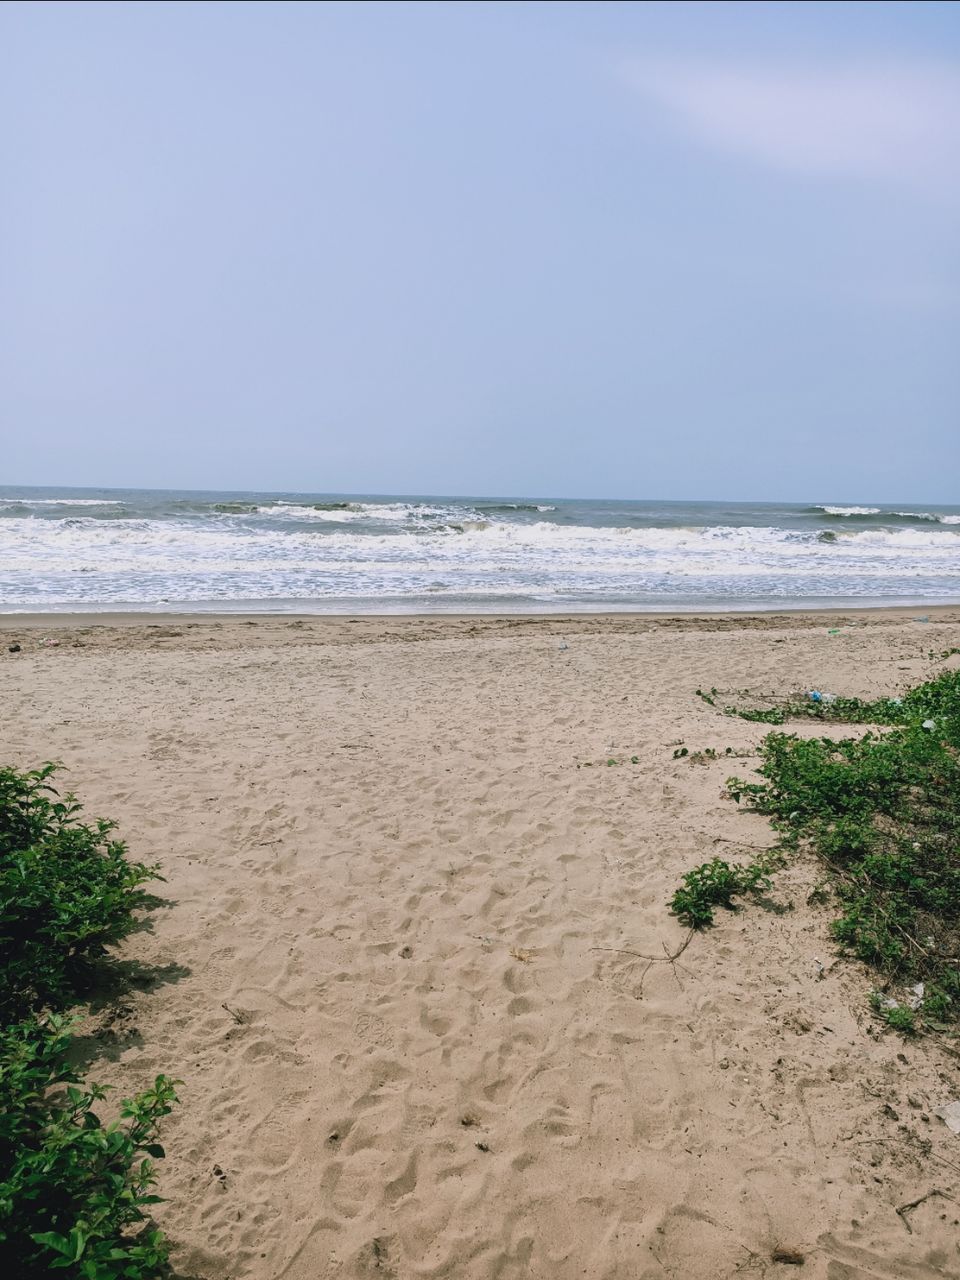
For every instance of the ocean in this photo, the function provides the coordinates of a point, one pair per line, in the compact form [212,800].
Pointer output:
[179,550]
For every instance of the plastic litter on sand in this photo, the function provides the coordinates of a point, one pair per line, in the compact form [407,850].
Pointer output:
[950,1115]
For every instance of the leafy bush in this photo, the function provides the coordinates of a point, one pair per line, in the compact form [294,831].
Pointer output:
[714,884]
[74,1192]
[895,1016]
[67,893]
[883,812]
[71,1187]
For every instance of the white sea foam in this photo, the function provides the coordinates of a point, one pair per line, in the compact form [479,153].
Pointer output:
[110,543]
[61,502]
[933,516]
[850,511]
[394,512]
[419,548]
[347,512]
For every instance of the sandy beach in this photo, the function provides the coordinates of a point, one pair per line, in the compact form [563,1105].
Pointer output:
[412,966]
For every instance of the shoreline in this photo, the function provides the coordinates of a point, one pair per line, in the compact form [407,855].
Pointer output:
[748,618]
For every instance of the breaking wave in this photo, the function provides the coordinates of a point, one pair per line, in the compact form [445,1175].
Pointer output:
[879,514]
[137,548]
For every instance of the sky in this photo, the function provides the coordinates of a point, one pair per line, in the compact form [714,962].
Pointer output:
[603,250]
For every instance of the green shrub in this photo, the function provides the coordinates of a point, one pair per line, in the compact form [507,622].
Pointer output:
[67,893]
[714,884]
[74,1192]
[71,1188]
[883,812]
[895,1016]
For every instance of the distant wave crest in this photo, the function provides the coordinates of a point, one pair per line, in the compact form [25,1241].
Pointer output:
[849,511]
[854,513]
[513,506]
[61,502]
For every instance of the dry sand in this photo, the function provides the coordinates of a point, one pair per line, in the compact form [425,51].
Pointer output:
[397,974]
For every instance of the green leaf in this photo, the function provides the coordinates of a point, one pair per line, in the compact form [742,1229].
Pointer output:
[53,1240]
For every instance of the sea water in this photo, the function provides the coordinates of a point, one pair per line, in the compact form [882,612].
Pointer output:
[92,549]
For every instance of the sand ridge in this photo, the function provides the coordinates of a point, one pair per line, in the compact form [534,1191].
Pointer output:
[404,971]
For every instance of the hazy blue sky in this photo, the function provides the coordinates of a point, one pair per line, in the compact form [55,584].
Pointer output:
[635,250]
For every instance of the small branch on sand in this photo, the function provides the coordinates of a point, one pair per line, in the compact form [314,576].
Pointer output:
[917,1155]
[904,1209]
[669,957]
[744,844]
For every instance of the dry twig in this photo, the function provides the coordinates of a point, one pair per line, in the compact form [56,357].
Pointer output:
[670,957]
[904,1209]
